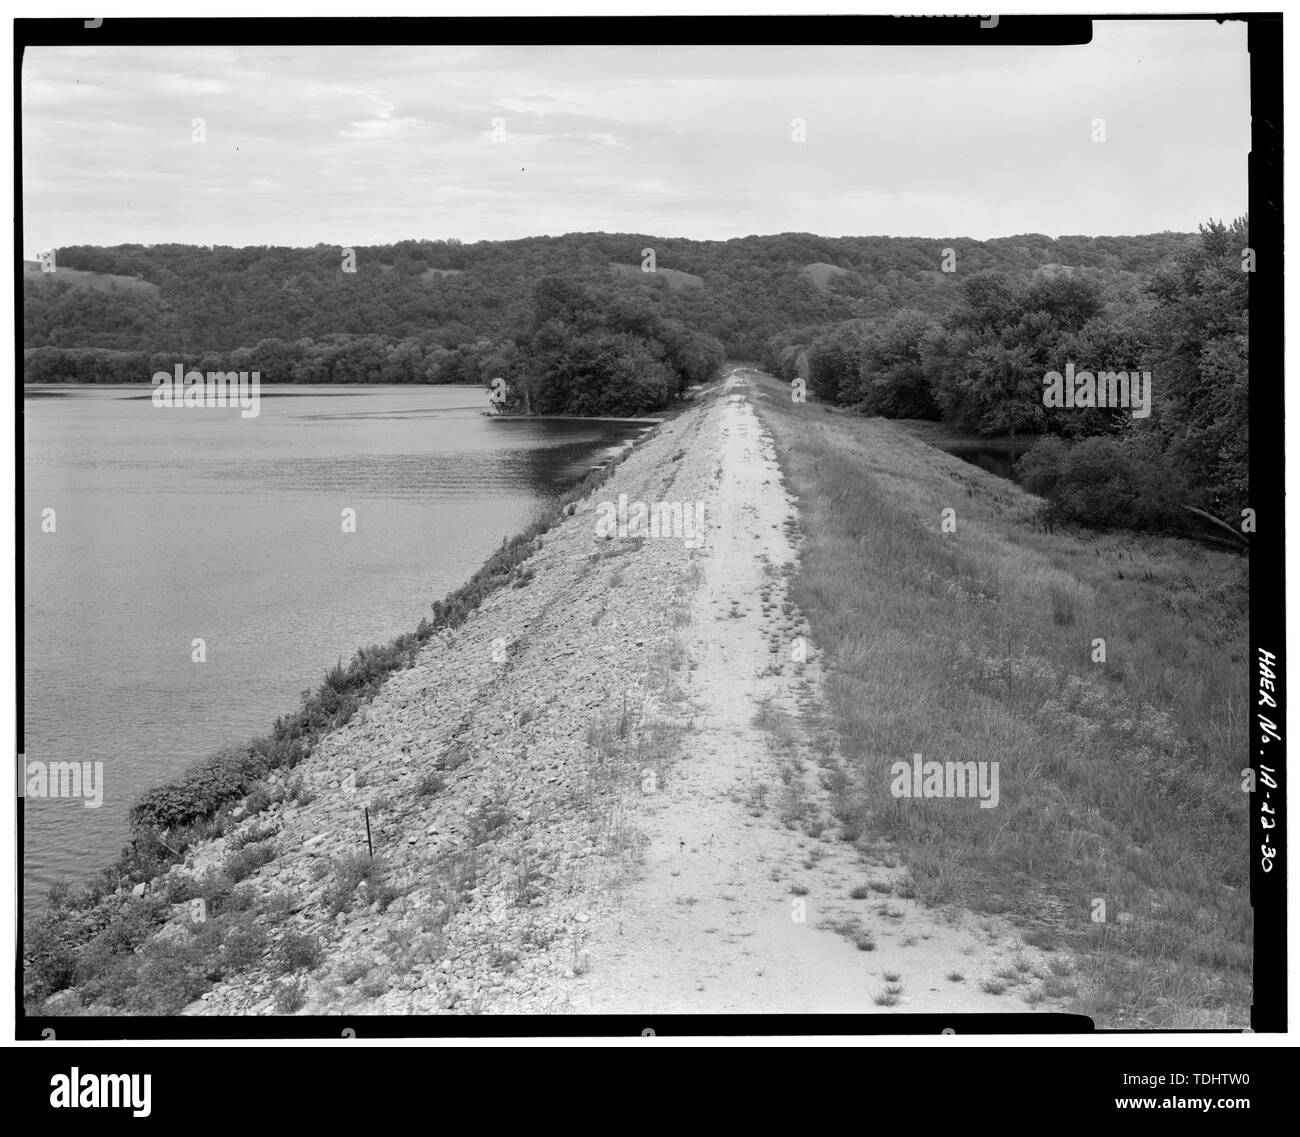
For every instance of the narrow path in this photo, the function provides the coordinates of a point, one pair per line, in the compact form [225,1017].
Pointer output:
[743,901]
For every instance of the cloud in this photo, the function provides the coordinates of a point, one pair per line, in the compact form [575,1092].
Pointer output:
[302,143]
[384,128]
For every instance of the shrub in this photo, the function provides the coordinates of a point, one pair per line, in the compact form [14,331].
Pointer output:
[349,873]
[217,889]
[290,997]
[241,865]
[1104,483]
[58,893]
[178,887]
[49,957]
[199,792]
[125,922]
[353,971]
[252,835]
[298,792]
[243,946]
[257,801]
[162,980]
[299,952]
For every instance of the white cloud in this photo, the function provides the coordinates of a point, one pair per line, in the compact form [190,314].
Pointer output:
[384,128]
[686,141]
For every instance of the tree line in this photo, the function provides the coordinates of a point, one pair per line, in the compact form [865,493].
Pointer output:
[335,359]
[982,368]
[197,298]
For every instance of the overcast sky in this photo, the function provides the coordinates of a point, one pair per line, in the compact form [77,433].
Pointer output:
[369,145]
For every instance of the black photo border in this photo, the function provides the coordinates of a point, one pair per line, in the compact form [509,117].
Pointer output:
[1267,555]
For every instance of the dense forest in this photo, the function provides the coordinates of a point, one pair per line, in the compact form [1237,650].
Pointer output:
[450,303]
[622,324]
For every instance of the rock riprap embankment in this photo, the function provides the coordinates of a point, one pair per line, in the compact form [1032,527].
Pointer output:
[495,772]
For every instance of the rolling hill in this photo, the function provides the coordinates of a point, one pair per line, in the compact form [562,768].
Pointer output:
[169,298]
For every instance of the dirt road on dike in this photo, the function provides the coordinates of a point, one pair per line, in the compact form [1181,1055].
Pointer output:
[733,910]
[521,868]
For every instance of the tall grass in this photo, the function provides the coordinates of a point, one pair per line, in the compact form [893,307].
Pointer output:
[1119,776]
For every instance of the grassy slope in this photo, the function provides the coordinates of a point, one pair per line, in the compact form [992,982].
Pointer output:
[1119,780]
[96,281]
[822,274]
[675,279]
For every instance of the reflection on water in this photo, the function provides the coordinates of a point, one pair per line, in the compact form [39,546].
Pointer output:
[999,459]
[177,524]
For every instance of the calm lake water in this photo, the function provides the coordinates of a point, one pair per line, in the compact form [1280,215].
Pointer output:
[173,524]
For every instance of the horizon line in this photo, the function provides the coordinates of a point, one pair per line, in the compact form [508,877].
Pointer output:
[607,233]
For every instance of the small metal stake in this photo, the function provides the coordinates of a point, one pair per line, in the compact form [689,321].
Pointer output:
[366,810]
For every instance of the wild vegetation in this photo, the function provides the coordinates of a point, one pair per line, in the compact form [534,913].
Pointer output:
[981,369]
[450,295]
[585,354]
[444,312]
[1105,673]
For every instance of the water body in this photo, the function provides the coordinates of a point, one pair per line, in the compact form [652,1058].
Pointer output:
[177,524]
[997,458]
